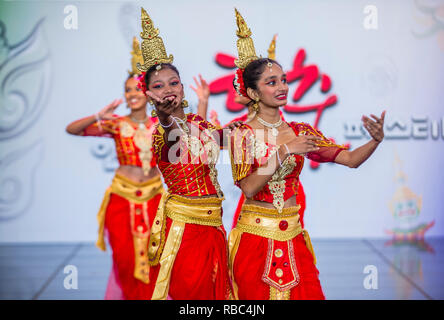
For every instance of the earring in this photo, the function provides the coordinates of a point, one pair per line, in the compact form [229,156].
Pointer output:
[256,105]
[184,103]
[153,111]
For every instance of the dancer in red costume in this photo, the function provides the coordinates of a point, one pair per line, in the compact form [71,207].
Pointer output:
[130,203]
[187,240]
[203,92]
[271,256]
[300,194]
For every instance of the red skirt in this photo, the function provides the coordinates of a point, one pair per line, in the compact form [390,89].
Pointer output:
[118,225]
[249,267]
[200,270]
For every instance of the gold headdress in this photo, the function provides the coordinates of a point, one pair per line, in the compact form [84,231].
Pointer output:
[136,58]
[153,49]
[272,48]
[245,45]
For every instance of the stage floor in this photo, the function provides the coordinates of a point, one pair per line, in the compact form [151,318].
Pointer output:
[403,270]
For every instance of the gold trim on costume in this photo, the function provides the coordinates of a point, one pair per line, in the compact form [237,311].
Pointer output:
[260,221]
[182,210]
[140,242]
[309,245]
[266,222]
[130,190]
[142,137]
[324,142]
[233,245]
[275,294]
[203,211]
[167,260]
[277,181]
[137,194]
[293,270]
[157,235]
[187,210]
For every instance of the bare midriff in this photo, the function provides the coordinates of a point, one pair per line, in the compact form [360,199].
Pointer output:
[290,202]
[135,173]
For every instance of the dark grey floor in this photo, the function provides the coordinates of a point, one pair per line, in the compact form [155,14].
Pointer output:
[408,270]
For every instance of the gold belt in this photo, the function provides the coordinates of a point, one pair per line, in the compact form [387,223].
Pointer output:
[182,210]
[269,223]
[203,211]
[136,194]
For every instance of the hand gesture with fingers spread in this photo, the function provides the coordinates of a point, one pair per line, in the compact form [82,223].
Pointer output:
[375,128]
[107,112]
[202,89]
[164,107]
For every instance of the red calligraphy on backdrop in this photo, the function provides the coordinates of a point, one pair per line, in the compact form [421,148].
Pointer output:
[306,75]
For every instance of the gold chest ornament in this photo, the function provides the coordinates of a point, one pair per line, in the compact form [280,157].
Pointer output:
[207,146]
[277,182]
[142,140]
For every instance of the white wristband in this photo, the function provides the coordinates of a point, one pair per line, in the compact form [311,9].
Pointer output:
[286,147]
[166,126]
[279,158]
[98,120]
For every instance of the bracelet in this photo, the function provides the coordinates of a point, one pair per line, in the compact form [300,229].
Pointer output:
[279,157]
[98,120]
[286,147]
[166,126]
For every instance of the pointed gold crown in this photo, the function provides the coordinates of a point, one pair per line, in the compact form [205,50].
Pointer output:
[153,49]
[245,45]
[136,57]
[272,48]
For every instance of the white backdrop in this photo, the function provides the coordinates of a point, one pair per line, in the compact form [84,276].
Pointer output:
[388,58]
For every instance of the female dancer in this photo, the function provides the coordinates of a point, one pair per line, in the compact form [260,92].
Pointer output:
[187,239]
[270,254]
[300,194]
[203,92]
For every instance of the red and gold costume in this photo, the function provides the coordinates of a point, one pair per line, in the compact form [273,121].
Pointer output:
[300,195]
[128,208]
[271,256]
[188,239]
